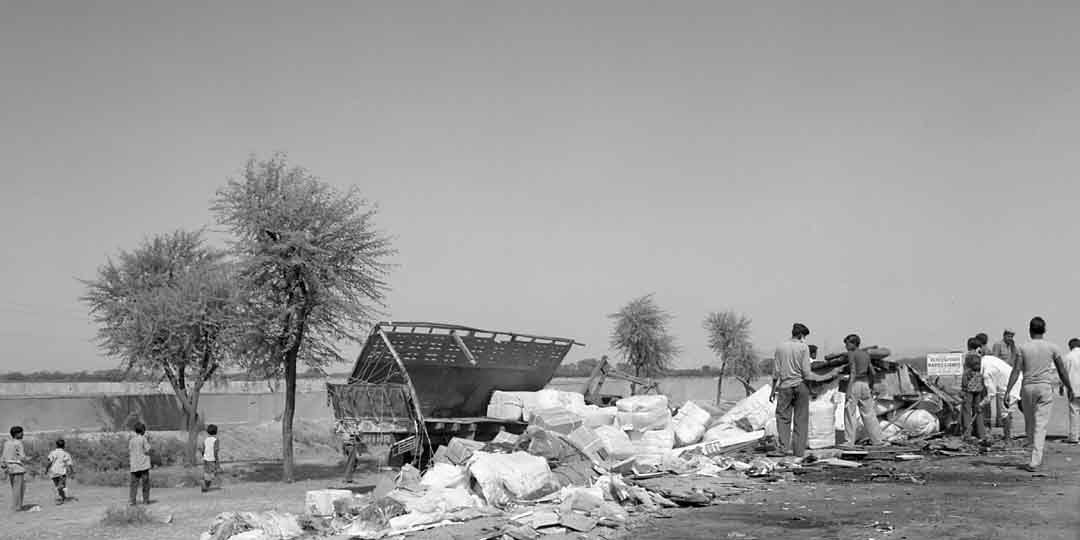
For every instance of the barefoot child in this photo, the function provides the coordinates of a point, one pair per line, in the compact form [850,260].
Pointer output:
[60,466]
[139,456]
[12,460]
[211,451]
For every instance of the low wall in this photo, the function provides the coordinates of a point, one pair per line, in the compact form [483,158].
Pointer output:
[114,406]
[46,389]
[158,411]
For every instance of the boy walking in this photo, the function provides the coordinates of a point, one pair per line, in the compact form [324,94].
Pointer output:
[12,460]
[974,391]
[60,466]
[139,456]
[211,451]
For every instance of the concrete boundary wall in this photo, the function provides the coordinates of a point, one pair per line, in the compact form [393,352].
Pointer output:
[31,389]
[159,411]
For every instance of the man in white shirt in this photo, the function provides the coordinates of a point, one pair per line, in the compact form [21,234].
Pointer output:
[995,373]
[1072,366]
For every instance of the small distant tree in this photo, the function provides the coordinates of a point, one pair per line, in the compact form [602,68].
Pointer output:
[165,309]
[728,335]
[641,336]
[314,268]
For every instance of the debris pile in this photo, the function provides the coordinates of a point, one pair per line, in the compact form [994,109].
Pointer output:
[586,471]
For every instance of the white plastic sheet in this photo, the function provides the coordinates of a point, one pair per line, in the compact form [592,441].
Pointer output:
[445,475]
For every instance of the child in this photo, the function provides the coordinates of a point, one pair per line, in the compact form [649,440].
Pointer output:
[60,466]
[139,456]
[211,449]
[974,391]
[11,460]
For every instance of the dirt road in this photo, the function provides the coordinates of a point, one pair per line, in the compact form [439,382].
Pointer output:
[976,498]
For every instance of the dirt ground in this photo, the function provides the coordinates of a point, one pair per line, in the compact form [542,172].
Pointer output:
[977,498]
[982,497]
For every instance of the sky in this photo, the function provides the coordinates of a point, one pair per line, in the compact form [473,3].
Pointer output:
[905,171]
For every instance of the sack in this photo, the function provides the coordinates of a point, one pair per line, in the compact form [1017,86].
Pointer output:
[505,477]
[594,416]
[642,403]
[822,429]
[917,422]
[615,442]
[754,411]
[510,405]
[644,420]
[690,423]
[589,443]
[654,443]
[445,475]
[557,419]
[320,502]
[550,399]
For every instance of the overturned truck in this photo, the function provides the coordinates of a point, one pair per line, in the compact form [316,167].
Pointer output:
[417,384]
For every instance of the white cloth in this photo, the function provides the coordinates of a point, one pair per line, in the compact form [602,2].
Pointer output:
[996,373]
[208,449]
[1072,368]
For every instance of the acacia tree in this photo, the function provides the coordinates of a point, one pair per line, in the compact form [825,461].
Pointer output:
[166,309]
[313,266]
[728,335]
[641,336]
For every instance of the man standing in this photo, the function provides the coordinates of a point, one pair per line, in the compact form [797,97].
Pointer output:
[1072,366]
[1037,359]
[996,373]
[1006,348]
[860,395]
[791,371]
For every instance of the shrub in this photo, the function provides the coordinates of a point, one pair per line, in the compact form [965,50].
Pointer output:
[123,516]
[102,452]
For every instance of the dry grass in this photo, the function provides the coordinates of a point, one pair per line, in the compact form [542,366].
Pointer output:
[126,516]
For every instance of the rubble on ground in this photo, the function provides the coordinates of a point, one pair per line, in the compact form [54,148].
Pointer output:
[587,471]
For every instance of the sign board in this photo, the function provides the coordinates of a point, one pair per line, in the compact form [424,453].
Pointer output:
[945,364]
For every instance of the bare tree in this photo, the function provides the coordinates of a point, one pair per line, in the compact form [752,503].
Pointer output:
[166,309]
[728,335]
[313,265]
[641,336]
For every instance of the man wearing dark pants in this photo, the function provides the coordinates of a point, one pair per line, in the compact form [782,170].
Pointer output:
[791,371]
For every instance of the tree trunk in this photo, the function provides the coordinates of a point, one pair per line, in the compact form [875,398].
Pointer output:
[193,426]
[287,417]
[720,383]
[192,419]
[746,386]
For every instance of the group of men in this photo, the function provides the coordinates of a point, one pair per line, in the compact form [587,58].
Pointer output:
[1007,376]
[1011,376]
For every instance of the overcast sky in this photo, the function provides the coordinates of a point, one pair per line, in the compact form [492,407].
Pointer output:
[906,171]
